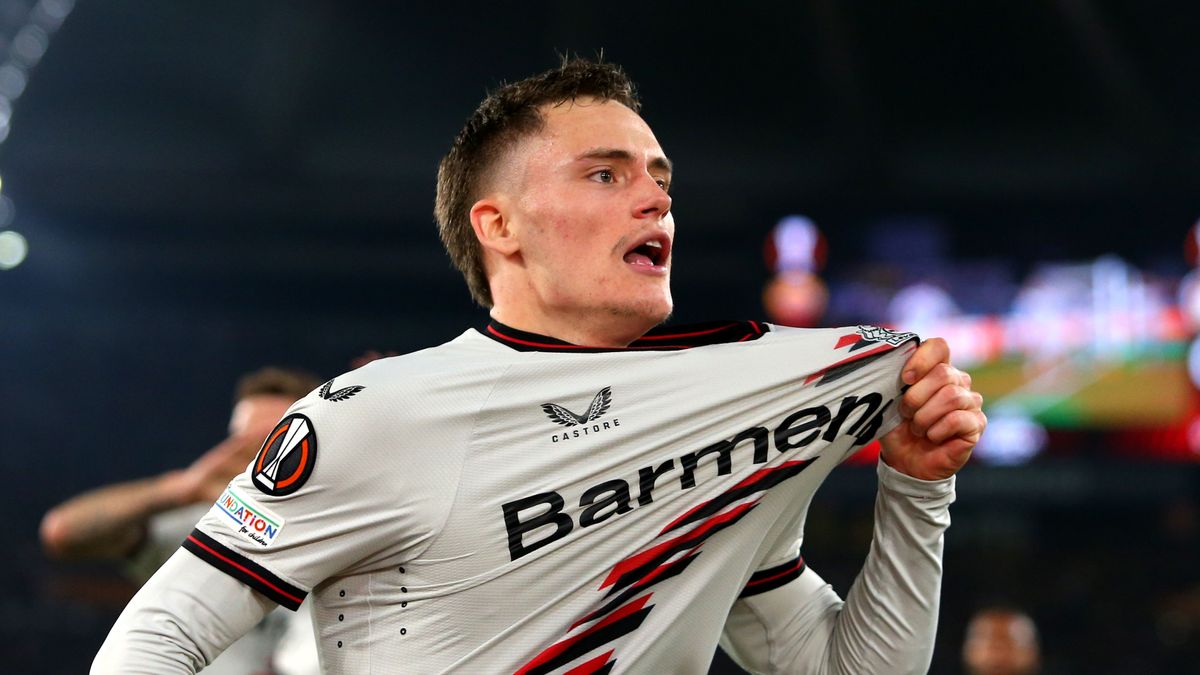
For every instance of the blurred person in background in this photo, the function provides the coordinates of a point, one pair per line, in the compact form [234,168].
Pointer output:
[1001,641]
[140,523]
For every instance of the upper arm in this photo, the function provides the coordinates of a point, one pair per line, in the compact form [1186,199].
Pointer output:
[180,620]
[337,488]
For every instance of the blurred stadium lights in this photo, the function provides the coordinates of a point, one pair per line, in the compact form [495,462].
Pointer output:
[1193,363]
[1106,308]
[795,245]
[31,31]
[794,252]
[1189,298]
[13,249]
[30,28]
[1191,246]
[921,306]
[1012,438]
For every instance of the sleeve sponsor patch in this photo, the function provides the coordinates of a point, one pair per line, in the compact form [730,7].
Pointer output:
[287,457]
[247,519]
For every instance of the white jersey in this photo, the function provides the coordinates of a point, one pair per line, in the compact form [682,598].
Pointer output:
[507,502]
[254,651]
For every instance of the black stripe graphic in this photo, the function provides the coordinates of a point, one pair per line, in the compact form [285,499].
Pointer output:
[774,577]
[687,541]
[613,631]
[718,503]
[244,570]
[838,372]
[671,570]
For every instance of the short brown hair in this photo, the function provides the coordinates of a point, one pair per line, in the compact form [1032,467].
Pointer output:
[506,116]
[271,381]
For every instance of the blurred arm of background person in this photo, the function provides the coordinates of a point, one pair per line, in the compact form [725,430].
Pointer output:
[116,521]
[111,522]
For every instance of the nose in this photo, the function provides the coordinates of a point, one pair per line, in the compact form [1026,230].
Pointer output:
[653,201]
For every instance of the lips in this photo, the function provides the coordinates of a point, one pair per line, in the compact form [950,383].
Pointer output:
[653,250]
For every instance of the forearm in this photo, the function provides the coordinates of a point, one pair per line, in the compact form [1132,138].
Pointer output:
[890,616]
[107,522]
[185,616]
[888,621]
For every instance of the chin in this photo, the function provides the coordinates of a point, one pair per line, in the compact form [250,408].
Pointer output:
[663,313]
[649,313]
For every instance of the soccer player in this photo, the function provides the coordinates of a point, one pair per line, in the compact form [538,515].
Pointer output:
[569,490]
[140,523]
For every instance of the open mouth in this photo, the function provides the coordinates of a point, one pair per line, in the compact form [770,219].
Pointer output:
[653,252]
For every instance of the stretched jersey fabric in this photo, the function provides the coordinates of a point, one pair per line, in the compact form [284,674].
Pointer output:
[510,502]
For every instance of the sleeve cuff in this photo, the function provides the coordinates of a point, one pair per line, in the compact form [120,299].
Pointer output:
[244,570]
[774,577]
[902,484]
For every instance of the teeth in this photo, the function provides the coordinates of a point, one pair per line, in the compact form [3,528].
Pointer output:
[654,250]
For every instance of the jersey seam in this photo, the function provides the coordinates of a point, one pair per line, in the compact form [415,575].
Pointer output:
[467,451]
[767,633]
[370,621]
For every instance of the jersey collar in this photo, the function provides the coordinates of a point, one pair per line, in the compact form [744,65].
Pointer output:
[662,338]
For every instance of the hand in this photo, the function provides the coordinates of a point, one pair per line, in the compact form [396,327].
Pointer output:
[942,417]
[204,480]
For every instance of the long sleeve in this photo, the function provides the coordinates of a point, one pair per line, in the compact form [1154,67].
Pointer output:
[888,621]
[180,620]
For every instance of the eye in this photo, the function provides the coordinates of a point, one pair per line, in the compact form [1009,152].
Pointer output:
[604,176]
[664,184]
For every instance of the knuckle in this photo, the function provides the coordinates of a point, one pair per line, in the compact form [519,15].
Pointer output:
[945,372]
[911,399]
[963,399]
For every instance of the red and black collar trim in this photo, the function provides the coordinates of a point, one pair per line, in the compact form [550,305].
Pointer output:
[663,338]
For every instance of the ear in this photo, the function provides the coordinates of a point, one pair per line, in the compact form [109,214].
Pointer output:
[491,226]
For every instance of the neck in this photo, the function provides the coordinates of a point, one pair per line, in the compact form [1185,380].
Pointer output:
[586,329]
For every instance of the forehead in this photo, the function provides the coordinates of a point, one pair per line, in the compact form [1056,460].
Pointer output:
[257,409]
[1000,625]
[576,126]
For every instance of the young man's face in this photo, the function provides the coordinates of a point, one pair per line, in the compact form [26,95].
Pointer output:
[593,216]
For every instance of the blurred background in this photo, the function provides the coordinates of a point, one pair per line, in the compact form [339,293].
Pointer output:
[193,190]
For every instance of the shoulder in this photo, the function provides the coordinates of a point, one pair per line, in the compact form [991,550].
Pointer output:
[402,398]
[454,364]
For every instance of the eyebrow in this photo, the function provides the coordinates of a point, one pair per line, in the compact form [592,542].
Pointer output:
[661,163]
